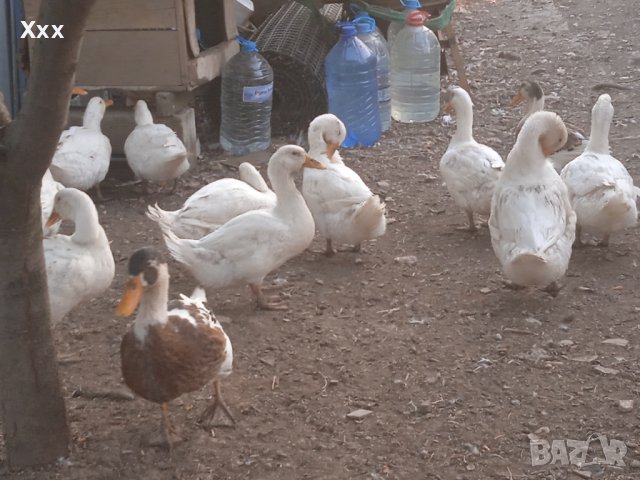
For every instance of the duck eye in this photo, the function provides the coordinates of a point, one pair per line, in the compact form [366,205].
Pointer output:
[150,275]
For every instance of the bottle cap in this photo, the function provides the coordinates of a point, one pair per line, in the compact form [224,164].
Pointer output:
[365,24]
[411,4]
[348,29]
[415,18]
[246,45]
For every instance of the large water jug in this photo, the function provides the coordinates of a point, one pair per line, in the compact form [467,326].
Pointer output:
[352,87]
[395,27]
[364,14]
[247,90]
[373,39]
[415,72]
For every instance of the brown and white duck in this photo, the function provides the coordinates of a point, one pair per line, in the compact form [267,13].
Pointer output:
[532,95]
[171,349]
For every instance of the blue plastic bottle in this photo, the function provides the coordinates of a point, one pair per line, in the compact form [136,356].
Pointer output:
[352,87]
[247,89]
[376,31]
[373,39]
[395,27]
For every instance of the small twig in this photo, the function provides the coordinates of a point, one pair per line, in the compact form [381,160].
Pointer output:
[118,395]
[229,165]
[389,311]
[517,330]
[582,474]
[67,359]
[275,382]
[632,137]
[604,86]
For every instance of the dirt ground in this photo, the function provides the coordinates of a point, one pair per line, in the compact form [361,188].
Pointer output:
[458,371]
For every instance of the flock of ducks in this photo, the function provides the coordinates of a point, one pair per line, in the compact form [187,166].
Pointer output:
[236,232]
[555,185]
[230,232]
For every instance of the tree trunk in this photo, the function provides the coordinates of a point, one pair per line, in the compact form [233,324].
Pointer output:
[31,403]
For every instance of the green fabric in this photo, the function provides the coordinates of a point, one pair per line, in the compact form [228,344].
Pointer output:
[438,23]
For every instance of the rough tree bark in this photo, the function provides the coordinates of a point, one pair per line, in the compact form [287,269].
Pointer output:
[31,403]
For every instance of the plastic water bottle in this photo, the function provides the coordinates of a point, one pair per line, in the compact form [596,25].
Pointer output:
[415,72]
[352,87]
[373,39]
[395,27]
[247,90]
[376,31]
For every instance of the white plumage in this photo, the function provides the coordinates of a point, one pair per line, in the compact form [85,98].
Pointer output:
[80,266]
[82,157]
[532,223]
[343,207]
[469,169]
[600,188]
[48,192]
[250,246]
[217,203]
[154,151]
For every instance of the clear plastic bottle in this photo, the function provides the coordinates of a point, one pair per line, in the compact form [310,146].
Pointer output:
[415,72]
[352,87]
[395,27]
[375,41]
[247,90]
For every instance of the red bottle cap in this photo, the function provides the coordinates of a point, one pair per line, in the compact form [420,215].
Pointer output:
[415,18]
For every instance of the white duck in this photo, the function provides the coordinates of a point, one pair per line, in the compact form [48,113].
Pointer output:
[470,169]
[171,349]
[250,246]
[531,93]
[154,151]
[532,223]
[82,157]
[80,266]
[343,207]
[217,203]
[600,188]
[48,192]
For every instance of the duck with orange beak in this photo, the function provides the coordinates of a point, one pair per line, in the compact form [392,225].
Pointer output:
[80,266]
[250,246]
[469,169]
[532,223]
[531,94]
[174,348]
[343,207]
[82,157]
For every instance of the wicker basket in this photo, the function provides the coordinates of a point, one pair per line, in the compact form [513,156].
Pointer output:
[295,40]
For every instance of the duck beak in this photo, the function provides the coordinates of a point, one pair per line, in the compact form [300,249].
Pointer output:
[78,91]
[53,219]
[447,107]
[311,163]
[548,151]
[331,149]
[517,100]
[108,102]
[131,297]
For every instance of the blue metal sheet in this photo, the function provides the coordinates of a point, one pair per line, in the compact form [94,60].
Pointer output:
[12,78]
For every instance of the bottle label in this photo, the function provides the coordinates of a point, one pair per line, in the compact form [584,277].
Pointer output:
[384,94]
[258,94]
